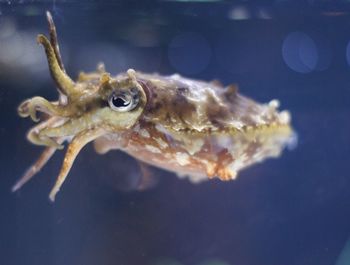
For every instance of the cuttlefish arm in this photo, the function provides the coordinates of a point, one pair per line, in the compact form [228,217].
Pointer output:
[34,136]
[53,40]
[66,86]
[64,83]
[35,168]
[78,142]
[31,106]
[83,112]
[57,124]
[53,133]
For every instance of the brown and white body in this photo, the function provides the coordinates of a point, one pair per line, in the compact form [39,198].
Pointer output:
[193,128]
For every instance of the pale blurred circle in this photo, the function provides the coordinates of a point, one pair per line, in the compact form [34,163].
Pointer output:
[348,53]
[300,52]
[189,53]
[11,49]
[20,53]
[239,13]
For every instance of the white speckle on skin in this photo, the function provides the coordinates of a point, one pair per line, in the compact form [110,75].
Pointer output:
[161,143]
[194,146]
[274,104]
[258,119]
[152,149]
[238,163]
[284,117]
[258,155]
[224,141]
[144,133]
[193,178]
[137,127]
[182,159]
[161,128]
[172,119]
[236,124]
[175,76]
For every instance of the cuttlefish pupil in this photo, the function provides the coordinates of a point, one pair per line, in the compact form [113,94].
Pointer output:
[124,101]
[196,129]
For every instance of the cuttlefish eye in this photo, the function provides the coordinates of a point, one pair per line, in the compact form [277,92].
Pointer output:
[123,101]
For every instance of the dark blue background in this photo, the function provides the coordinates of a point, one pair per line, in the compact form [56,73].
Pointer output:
[294,210]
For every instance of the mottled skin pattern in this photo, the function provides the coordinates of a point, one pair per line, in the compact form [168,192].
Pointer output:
[193,128]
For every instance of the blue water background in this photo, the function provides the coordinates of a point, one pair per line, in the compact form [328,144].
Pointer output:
[294,210]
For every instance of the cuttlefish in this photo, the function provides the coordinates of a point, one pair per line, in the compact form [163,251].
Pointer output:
[197,129]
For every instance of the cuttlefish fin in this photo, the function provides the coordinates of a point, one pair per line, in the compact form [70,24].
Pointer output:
[78,142]
[148,179]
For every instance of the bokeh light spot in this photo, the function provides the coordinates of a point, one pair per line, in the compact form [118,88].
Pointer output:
[239,13]
[348,53]
[300,52]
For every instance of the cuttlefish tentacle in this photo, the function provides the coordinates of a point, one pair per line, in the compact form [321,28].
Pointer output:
[47,135]
[64,83]
[30,107]
[78,142]
[36,167]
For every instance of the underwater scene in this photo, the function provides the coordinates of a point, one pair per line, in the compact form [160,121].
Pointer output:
[175,132]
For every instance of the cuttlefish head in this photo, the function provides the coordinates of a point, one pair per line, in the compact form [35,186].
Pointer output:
[95,105]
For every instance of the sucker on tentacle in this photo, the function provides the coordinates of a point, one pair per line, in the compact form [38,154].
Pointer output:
[196,129]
